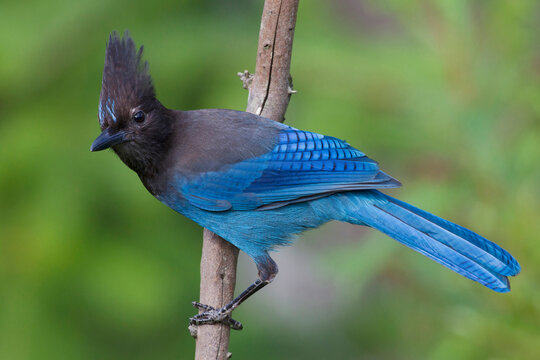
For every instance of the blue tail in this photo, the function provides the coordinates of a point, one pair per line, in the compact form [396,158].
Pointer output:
[451,245]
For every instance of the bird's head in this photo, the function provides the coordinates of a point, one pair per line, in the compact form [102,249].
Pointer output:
[133,122]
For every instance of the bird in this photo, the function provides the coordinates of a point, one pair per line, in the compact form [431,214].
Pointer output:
[258,183]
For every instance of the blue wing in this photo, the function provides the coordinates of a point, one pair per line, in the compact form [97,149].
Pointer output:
[302,166]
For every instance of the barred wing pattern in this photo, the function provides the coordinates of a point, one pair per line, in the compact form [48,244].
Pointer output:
[302,166]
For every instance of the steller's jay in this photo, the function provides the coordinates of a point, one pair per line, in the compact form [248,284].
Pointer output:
[257,183]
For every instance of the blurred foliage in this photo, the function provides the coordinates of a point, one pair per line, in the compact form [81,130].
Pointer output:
[445,94]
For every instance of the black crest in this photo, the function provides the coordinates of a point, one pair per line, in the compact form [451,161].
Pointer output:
[126,80]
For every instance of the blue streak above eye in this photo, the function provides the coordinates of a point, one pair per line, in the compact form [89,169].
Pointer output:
[101,115]
[111,111]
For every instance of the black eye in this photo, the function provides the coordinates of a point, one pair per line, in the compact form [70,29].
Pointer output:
[139,116]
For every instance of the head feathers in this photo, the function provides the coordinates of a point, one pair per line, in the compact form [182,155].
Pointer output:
[126,80]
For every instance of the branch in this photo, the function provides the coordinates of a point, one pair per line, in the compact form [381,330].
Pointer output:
[271,86]
[269,93]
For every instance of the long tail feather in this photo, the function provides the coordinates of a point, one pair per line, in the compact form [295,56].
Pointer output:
[451,245]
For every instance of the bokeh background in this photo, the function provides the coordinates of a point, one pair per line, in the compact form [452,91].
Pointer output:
[444,94]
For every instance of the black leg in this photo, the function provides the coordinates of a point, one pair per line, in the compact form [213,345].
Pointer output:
[267,272]
[223,315]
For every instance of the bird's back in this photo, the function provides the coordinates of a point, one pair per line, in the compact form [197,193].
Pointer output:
[209,140]
[223,159]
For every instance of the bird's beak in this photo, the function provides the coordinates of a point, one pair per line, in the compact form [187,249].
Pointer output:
[105,140]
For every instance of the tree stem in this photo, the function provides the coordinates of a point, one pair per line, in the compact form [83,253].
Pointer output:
[269,93]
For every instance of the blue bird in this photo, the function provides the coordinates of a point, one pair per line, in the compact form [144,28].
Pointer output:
[257,183]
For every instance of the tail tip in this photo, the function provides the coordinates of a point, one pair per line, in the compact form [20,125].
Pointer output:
[502,287]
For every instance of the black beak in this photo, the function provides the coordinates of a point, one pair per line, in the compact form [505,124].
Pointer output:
[105,140]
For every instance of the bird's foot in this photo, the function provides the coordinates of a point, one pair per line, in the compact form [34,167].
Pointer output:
[211,315]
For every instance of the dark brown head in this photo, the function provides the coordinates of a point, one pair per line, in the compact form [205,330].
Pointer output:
[133,122]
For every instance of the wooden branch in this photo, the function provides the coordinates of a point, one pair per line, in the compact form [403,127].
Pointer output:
[218,278]
[271,87]
[269,93]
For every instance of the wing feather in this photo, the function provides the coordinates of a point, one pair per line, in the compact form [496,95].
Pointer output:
[302,166]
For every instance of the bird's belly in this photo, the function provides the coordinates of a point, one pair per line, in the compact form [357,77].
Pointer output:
[252,231]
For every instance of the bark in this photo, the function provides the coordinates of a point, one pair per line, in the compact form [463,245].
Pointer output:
[269,93]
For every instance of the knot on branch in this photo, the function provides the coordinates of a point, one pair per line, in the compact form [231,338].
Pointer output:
[193,330]
[290,89]
[246,78]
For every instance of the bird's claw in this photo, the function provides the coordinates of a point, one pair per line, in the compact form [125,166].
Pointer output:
[211,315]
[200,306]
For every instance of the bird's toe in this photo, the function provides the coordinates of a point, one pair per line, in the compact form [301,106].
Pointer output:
[212,316]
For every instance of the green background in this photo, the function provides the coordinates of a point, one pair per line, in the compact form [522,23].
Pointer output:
[444,94]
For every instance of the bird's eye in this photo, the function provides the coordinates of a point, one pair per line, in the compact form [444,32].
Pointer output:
[138,116]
